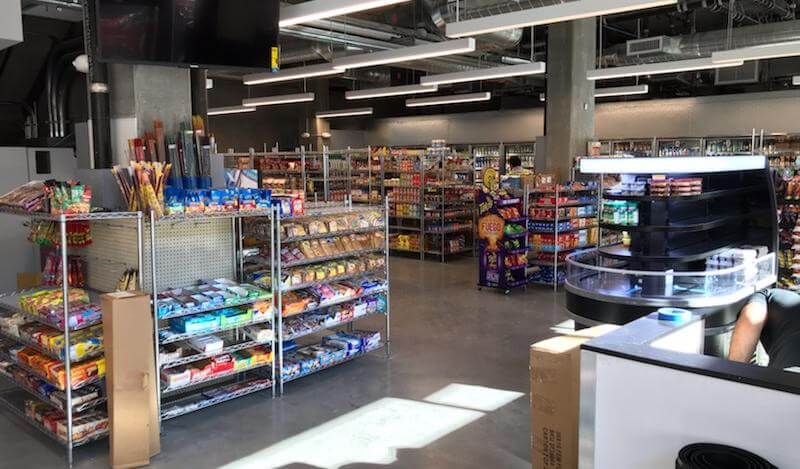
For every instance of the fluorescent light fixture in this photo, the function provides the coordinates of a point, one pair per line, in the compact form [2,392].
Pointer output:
[389,91]
[320,9]
[796,80]
[621,91]
[765,51]
[405,54]
[550,14]
[209,83]
[671,165]
[659,68]
[535,68]
[364,111]
[454,99]
[219,111]
[281,99]
[290,74]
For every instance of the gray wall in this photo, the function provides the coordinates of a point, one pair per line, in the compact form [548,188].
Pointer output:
[706,116]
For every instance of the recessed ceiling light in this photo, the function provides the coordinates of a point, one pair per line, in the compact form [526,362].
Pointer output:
[621,91]
[765,51]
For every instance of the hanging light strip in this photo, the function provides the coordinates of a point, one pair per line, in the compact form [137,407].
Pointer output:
[762,52]
[281,99]
[364,111]
[389,91]
[453,99]
[672,164]
[220,111]
[320,9]
[405,54]
[567,11]
[796,80]
[621,91]
[659,68]
[290,74]
[535,68]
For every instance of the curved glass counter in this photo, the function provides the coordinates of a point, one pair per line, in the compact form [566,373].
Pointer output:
[599,278]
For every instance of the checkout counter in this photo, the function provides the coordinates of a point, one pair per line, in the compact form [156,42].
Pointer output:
[647,391]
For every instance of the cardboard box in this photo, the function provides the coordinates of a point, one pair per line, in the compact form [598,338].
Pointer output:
[130,379]
[555,398]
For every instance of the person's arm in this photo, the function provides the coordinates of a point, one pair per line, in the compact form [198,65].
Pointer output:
[748,329]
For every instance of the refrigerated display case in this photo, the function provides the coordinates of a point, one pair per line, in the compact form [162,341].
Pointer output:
[680,147]
[698,233]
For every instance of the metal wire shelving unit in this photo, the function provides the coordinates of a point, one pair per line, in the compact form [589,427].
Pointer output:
[405,196]
[14,399]
[180,400]
[366,167]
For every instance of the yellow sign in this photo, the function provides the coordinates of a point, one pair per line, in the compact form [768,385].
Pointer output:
[275,58]
[491,179]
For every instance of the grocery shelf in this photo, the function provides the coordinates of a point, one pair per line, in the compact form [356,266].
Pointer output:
[328,304]
[567,230]
[337,278]
[334,257]
[560,249]
[404,228]
[592,216]
[198,310]
[82,407]
[334,234]
[47,380]
[449,253]
[546,263]
[462,229]
[93,216]
[202,356]
[182,217]
[10,302]
[172,390]
[328,326]
[200,401]
[686,198]
[44,351]
[348,359]
[568,205]
[686,226]
[179,337]
[16,406]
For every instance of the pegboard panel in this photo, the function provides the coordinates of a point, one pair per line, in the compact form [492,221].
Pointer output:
[189,251]
[112,252]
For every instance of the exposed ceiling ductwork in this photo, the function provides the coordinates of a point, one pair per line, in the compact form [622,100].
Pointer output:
[448,11]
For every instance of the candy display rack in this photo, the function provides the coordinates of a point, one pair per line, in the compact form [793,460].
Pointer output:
[449,203]
[358,289]
[72,401]
[187,248]
[404,173]
[502,241]
[366,167]
[561,219]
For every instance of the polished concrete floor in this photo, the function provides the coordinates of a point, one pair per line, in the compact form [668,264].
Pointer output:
[454,393]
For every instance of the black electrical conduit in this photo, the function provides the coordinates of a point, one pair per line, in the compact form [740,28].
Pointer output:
[53,59]
[713,456]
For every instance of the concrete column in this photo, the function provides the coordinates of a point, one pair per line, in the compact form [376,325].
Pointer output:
[141,94]
[569,117]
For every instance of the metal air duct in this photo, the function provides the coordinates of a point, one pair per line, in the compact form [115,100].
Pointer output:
[445,11]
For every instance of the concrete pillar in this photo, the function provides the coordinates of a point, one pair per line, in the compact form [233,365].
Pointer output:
[141,94]
[569,116]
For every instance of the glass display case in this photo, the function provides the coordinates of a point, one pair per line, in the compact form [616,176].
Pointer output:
[680,147]
[697,232]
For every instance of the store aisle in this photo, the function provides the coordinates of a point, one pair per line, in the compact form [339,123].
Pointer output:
[445,333]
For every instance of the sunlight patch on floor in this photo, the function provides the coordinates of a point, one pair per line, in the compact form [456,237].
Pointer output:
[473,397]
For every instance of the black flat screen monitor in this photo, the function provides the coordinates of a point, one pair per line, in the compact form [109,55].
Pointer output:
[209,33]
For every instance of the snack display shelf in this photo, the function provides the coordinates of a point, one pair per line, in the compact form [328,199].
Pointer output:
[516,235]
[327,326]
[593,216]
[315,260]
[82,407]
[181,217]
[16,409]
[337,278]
[199,401]
[10,302]
[568,230]
[568,205]
[404,228]
[685,226]
[684,198]
[562,249]
[44,351]
[335,233]
[165,391]
[546,263]
[461,229]
[72,216]
[191,311]
[202,356]
[338,301]
[172,337]
[450,253]
[336,363]
[47,380]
